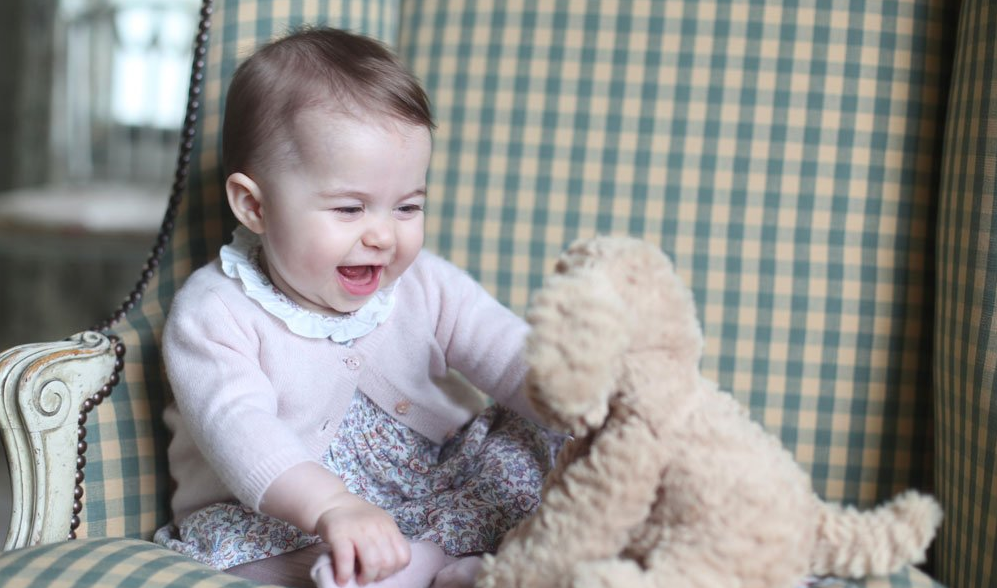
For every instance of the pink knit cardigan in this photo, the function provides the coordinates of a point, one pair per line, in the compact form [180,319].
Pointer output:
[253,399]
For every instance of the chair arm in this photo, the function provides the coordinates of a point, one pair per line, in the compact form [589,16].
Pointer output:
[42,389]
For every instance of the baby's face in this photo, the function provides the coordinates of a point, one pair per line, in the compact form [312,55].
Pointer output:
[343,217]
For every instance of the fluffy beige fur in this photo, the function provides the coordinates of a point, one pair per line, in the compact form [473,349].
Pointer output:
[668,482]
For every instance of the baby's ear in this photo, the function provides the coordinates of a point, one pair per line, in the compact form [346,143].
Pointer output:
[245,198]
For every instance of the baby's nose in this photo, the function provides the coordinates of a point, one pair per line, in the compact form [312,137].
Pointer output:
[379,233]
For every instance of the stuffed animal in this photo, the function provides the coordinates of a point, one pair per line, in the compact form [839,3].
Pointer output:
[667,482]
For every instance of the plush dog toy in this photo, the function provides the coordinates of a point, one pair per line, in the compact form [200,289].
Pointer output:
[668,483]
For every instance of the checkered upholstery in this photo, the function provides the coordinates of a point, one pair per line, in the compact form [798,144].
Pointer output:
[785,154]
[125,563]
[965,359]
[778,153]
[132,563]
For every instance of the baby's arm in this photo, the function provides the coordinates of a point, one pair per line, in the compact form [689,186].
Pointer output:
[363,538]
[229,407]
[481,338]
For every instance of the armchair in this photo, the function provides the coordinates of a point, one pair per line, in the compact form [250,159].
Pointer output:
[823,176]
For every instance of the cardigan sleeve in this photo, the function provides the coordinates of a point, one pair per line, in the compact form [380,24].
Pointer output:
[481,338]
[226,402]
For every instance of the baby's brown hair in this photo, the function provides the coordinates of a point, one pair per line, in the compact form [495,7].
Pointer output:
[312,66]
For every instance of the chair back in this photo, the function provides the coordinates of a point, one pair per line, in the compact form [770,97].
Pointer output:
[965,335]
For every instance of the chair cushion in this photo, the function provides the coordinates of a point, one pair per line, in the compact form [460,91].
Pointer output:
[109,563]
[906,578]
[129,563]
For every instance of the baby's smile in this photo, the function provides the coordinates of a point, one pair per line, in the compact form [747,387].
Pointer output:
[360,280]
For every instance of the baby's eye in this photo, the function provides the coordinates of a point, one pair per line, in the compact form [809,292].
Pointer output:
[408,211]
[349,210]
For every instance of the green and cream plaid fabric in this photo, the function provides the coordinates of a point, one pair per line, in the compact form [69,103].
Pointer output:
[966,327]
[784,154]
[130,563]
[122,563]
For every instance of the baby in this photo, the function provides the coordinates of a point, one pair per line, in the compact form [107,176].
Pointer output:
[311,440]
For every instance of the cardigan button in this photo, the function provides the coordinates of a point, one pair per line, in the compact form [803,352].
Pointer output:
[403,407]
[352,362]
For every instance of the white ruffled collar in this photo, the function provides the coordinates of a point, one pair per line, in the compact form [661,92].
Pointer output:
[241,260]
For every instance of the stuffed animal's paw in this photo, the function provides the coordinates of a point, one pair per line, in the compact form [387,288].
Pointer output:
[609,573]
[520,572]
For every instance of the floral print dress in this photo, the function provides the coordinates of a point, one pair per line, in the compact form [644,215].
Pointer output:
[462,495]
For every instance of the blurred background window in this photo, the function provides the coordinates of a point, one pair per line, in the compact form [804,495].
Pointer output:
[91,104]
[119,103]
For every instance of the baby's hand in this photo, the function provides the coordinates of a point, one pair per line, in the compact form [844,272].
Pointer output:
[364,540]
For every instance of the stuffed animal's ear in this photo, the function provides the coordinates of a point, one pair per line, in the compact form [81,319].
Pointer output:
[581,330]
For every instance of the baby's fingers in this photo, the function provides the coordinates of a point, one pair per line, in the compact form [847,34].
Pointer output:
[344,559]
[380,558]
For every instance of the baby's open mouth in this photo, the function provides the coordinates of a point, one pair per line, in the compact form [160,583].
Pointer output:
[360,280]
